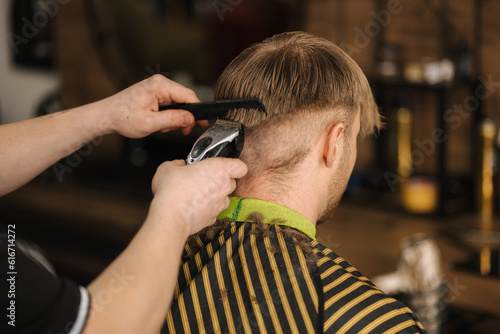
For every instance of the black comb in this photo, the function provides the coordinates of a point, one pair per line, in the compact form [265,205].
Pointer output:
[216,109]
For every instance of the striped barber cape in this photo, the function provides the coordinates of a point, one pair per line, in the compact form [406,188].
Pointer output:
[259,269]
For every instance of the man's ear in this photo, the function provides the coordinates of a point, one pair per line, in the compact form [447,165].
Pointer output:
[331,148]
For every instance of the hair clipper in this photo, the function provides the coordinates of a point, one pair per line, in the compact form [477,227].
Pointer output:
[223,139]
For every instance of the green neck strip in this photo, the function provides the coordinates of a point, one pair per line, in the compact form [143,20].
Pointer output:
[239,209]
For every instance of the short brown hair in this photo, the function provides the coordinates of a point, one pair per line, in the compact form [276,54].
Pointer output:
[298,75]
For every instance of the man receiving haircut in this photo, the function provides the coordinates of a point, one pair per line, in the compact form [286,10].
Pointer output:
[260,268]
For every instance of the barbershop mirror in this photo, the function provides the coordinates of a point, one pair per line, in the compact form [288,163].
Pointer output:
[137,38]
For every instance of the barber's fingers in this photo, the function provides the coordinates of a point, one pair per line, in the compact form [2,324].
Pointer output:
[186,120]
[168,91]
[227,202]
[168,120]
[238,169]
[235,168]
[233,185]
[203,124]
[200,191]
[178,162]
[187,130]
[227,169]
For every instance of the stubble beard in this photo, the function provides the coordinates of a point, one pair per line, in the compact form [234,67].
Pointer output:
[336,190]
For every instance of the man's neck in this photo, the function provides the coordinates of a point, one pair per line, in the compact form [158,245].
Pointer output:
[298,198]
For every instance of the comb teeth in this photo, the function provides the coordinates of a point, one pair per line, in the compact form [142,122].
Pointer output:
[217,109]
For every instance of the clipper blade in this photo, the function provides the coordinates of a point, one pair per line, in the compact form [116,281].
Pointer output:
[223,139]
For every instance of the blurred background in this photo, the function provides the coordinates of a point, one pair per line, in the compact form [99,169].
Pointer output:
[427,185]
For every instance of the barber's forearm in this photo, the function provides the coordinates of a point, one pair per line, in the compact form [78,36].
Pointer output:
[141,281]
[134,293]
[29,147]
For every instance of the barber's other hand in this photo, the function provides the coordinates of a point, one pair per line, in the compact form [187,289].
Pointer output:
[134,113]
[194,195]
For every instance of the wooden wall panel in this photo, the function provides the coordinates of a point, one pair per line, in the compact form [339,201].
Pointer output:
[84,78]
[339,21]
[416,29]
[490,52]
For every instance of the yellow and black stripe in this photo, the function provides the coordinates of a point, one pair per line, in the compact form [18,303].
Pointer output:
[251,279]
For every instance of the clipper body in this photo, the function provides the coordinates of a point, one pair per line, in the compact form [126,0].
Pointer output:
[223,139]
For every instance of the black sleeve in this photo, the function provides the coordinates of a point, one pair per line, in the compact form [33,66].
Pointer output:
[33,299]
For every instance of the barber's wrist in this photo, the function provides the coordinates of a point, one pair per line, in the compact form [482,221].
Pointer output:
[91,120]
[101,113]
[167,219]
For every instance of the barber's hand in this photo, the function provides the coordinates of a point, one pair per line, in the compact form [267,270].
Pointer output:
[134,113]
[194,194]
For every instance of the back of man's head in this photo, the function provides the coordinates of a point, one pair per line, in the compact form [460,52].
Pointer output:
[307,84]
